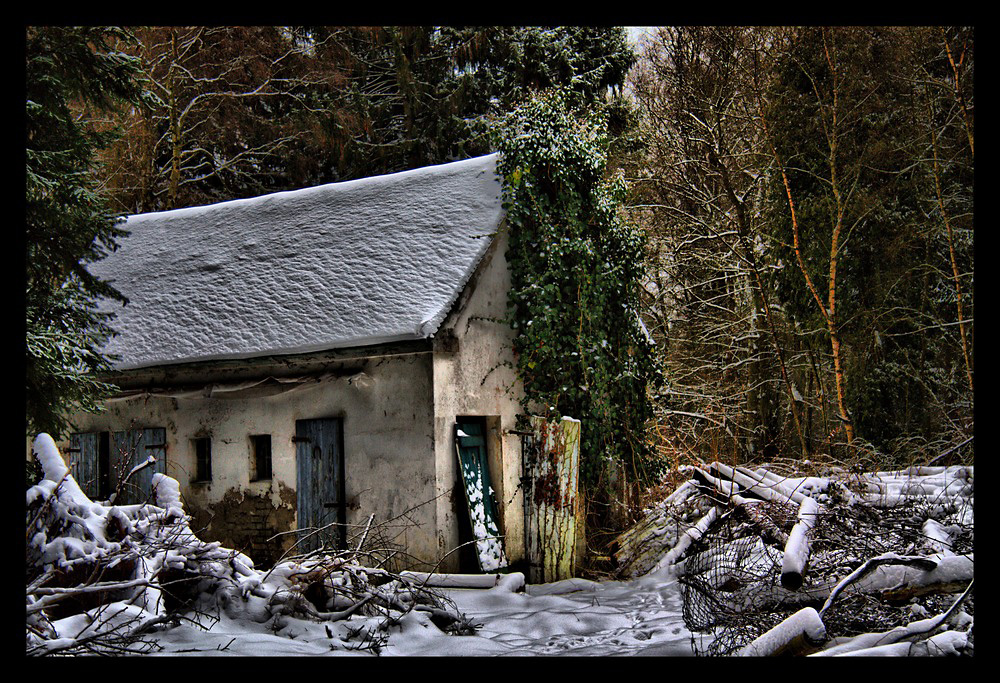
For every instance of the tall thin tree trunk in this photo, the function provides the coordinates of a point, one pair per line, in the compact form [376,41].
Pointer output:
[175,129]
[956,68]
[951,253]
[831,313]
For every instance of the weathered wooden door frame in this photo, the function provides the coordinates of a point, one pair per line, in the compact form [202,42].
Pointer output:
[472,452]
[320,484]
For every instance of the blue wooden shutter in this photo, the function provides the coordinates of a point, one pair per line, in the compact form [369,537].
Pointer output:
[131,448]
[84,462]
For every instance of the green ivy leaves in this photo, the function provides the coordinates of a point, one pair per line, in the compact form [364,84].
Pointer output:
[575,269]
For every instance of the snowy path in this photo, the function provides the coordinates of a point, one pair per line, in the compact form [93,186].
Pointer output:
[641,617]
[575,617]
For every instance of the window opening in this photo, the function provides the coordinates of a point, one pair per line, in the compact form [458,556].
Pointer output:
[261,444]
[203,459]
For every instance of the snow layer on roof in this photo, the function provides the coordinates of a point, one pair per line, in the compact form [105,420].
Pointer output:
[346,264]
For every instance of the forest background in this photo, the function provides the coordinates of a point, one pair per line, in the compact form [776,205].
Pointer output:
[803,195]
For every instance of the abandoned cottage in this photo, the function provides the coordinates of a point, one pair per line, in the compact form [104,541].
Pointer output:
[308,359]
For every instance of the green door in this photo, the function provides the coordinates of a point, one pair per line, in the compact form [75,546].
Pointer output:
[470,444]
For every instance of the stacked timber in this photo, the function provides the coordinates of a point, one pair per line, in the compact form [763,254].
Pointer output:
[753,548]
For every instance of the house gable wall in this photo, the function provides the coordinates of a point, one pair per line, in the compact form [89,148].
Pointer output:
[474,375]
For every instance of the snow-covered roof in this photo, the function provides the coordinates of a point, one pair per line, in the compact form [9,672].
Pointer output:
[361,262]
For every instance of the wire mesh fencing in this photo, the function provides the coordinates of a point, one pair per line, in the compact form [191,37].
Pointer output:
[731,575]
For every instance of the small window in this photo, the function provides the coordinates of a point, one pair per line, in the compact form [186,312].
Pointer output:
[261,445]
[203,459]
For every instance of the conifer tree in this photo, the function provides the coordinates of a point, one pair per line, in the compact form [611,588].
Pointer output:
[70,71]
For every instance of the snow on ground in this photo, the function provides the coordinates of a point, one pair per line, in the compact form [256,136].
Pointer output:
[244,611]
[235,609]
[574,617]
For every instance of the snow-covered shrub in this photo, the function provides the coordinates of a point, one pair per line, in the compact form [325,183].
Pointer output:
[99,576]
[102,578]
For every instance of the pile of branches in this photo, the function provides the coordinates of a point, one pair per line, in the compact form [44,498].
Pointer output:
[333,586]
[104,578]
[870,555]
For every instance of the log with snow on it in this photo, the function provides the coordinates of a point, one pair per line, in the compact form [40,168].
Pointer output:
[937,537]
[901,577]
[946,643]
[891,489]
[801,633]
[768,489]
[664,530]
[879,643]
[796,555]
[891,577]
[641,547]
[695,533]
[513,581]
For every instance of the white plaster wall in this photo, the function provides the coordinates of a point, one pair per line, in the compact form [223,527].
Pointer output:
[479,379]
[388,442]
[398,424]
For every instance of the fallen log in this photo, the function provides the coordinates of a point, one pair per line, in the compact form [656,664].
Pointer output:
[922,628]
[800,634]
[888,573]
[451,580]
[639,548]
[769,490]
[768,529]
[886,577]
[945,643]
[689,536]
[796,557]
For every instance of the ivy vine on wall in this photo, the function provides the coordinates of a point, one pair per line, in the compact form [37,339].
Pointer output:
[576,267]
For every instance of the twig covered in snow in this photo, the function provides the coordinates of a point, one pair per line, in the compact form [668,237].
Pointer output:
[100,577]
[148,462]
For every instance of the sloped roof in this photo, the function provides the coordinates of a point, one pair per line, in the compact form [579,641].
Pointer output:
[361,262]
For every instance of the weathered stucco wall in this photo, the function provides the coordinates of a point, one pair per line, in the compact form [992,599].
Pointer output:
[390,469]
[398,403]
[474,375]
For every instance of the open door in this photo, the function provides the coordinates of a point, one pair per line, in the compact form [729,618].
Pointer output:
[470,445]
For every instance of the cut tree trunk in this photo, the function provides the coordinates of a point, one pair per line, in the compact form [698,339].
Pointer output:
[797,548]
